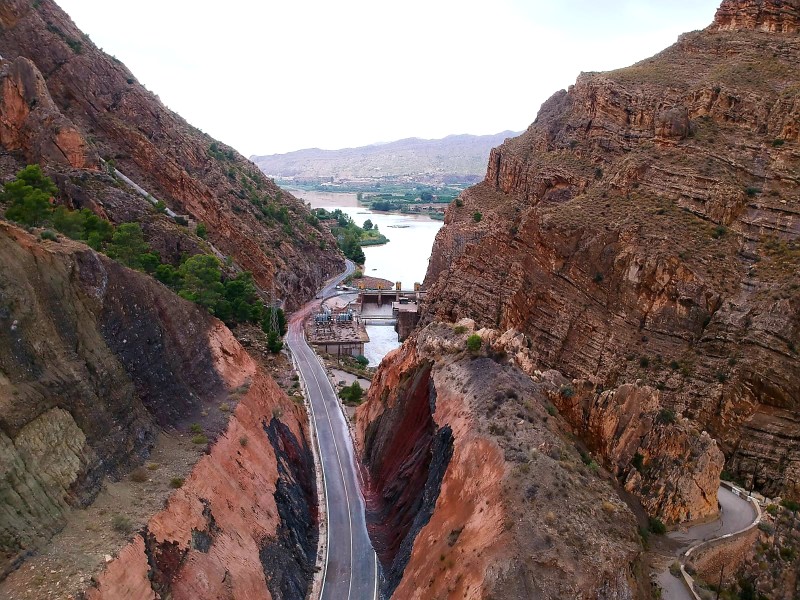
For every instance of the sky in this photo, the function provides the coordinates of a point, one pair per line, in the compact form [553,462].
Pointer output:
[270,77]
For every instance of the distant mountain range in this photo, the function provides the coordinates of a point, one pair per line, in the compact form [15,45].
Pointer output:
[454,157]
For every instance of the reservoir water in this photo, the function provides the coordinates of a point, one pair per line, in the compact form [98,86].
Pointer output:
[405,258]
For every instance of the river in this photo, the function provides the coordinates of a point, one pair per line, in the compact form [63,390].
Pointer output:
[405,258]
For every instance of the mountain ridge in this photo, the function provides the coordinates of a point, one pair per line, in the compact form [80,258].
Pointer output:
[457,155]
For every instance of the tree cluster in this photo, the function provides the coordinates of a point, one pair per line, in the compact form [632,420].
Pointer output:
[198,278]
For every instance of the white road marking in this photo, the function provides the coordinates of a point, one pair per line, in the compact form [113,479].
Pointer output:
[305,350]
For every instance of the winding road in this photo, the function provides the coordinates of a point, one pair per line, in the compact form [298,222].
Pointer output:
[351,565]
[736,514]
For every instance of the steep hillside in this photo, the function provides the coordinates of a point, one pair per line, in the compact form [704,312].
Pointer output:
[97,360]
[66,105]
[456,158]
[475,489]
[646,228]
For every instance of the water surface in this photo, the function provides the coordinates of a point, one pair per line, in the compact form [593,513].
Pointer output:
[404,259]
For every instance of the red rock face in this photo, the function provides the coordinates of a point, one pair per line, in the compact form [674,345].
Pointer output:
[31,123]
[776,16]
[96,357]
[496,528]
[265,230]
[207,542]
[645,228]
[672,468]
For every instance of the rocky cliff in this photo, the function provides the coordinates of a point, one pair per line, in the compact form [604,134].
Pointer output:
[475,489]
[97,359]
[66,104]
[646,228]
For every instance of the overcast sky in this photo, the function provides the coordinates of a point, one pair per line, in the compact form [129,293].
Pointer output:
[268,77]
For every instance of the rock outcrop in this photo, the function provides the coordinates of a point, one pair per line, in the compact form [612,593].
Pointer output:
[96,359]
[474,490]
[667,464]
[646,228]
[776,16]
[88,105]
[31,123]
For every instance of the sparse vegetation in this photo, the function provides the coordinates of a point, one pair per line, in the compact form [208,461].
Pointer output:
[655,525]
[195,428]
[566,391]
[666,416]
[176,482]
[477,216]
[474,342]
[459,329]
[121,524]
[752,191]
[351,394]
[139,475]
[199,439]
[638,462]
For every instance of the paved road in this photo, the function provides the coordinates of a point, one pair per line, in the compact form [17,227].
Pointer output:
[351,568]
[736,513]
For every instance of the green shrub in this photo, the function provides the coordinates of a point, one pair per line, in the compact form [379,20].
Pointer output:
[352,393]
[243,440]
[459,329]
[719,231]
[28,196]
[792,505]
[274,342]
[362,360]
[459,202]
[551,410]
[199,439]
[477,216]
[777,143]
[195,428]
[176,482]
[752,191]
[121,524]
[638,462]
[49,234]
[474,342]
[201,230]
[655,525]
[566,391]
[666,416]
[127,245]
[201,281]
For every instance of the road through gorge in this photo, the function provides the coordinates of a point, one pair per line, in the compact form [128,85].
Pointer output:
[351,566]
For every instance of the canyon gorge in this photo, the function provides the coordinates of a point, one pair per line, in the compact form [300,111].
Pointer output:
[611,324]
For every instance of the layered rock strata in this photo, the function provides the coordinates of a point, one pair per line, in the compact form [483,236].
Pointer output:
[89,104]
[474,490]
[646,227]
[98,358]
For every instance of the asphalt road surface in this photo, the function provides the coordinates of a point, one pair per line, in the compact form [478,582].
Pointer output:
[736,513]
[351,567]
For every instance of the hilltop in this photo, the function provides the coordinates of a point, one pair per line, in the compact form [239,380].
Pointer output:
[454,159]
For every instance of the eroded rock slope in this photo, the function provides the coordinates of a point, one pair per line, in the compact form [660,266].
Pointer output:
[646,228]
[66,104]
[475,489]
[97,358]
